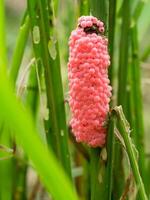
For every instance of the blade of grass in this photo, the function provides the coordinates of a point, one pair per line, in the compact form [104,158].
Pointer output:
[125,132]
[54,90]
[20,47]
[96,190]
[122,91]
[44,161]
[110,162]
[111,37]
[100,10]
[5,165]
[110,137]
[137,99]
[31,103]
[123,56]
[31,96]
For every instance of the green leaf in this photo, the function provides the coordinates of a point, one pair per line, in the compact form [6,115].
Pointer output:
[44,161]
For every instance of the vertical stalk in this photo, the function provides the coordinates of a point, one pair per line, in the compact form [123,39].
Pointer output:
[122,92]
[5,165]
[20,47]
[98,8]
[125,132]
[110,137]
[49,57]
[19,188]
[31,98]
[123,56]
[31,102]
[96,190]
[137,101]
[111,36]
[110,161]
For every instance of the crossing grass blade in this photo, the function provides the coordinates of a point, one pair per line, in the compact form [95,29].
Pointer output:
[44,161]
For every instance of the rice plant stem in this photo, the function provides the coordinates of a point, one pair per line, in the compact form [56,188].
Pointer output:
[98,8]
[137,99]
[20,47]
[123,61]
[122,90]
[111,36]
[110,161]
[6,167]
[57,131]
[125,132]
[110,137]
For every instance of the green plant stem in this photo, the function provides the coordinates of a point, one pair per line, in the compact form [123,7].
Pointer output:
[31,103]
[5,165]
[125,132]
[96,191]
[20,47]
[111,37]
[44,161]
[110,137]
[31,96]
[3,54]
[123,56]
[99,9]
[18,165]
[137,99]
[57,129]
[110,161]
[122,92]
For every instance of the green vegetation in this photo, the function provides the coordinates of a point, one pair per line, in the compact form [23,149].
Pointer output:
[39,157]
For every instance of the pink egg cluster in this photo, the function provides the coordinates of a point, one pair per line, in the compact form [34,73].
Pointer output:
[89,88]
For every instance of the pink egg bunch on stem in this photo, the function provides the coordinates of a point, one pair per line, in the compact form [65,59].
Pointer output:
[89,88]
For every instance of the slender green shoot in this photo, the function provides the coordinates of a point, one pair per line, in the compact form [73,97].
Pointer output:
[110,137]
[137,99]
[20,47]
[125,132]
[98,8]
[46,51]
